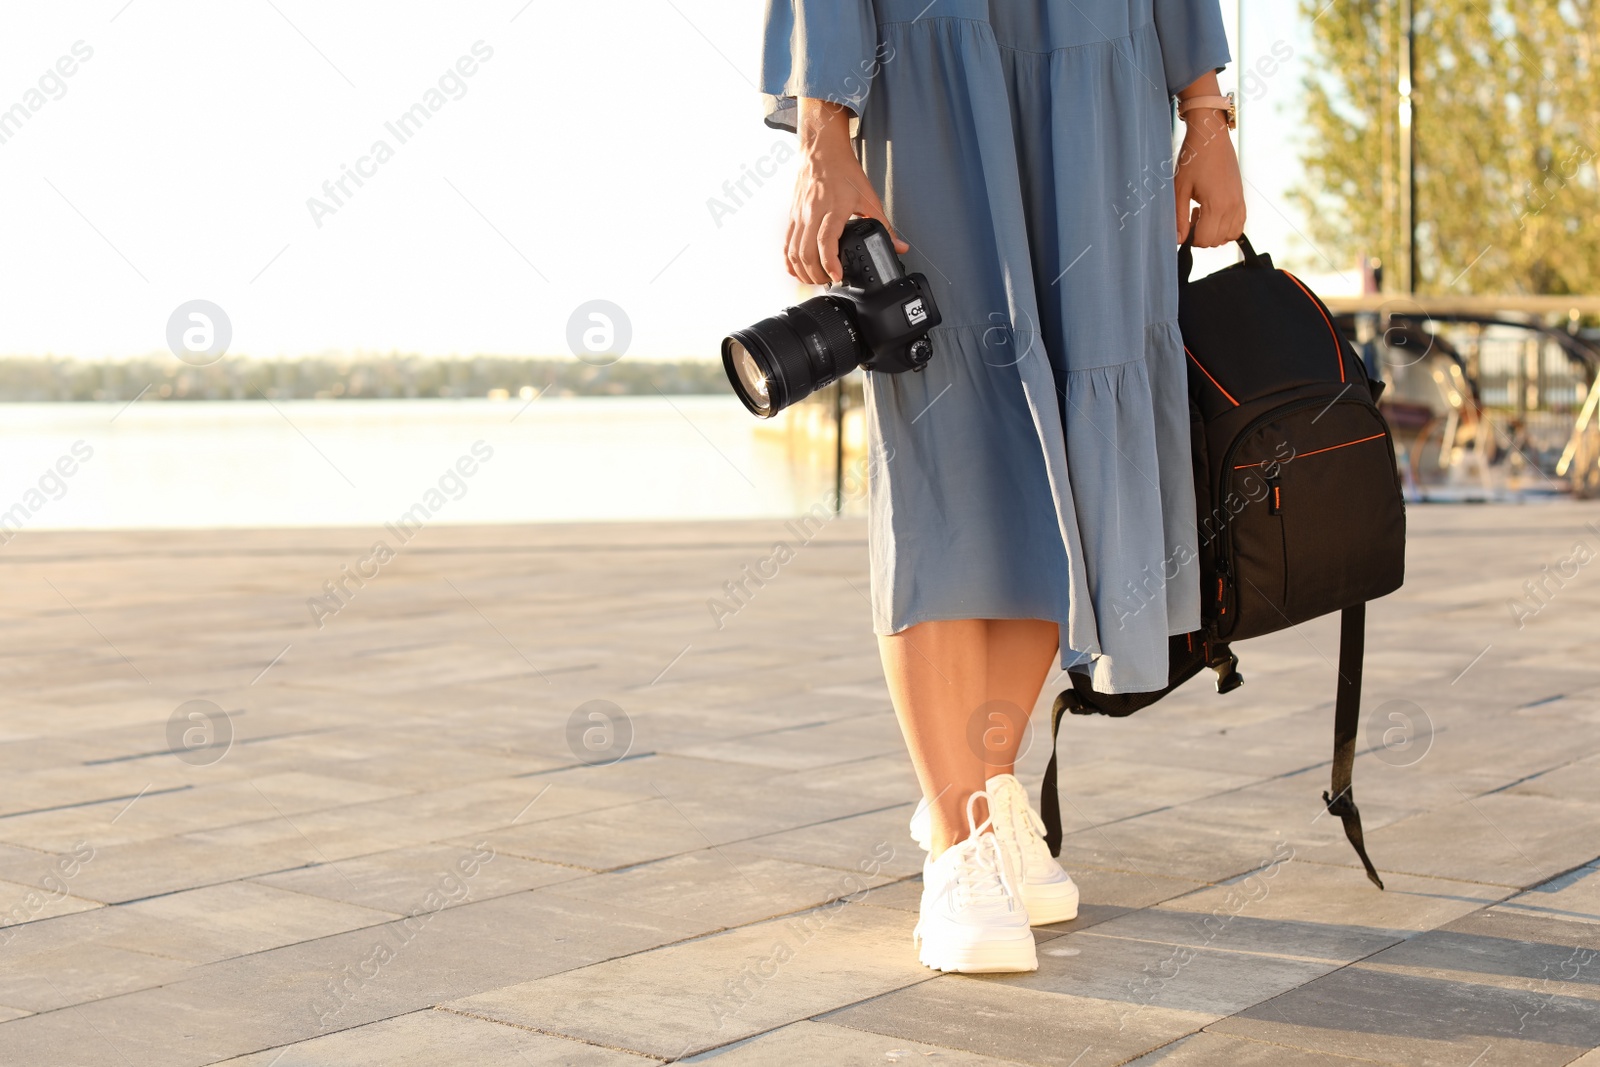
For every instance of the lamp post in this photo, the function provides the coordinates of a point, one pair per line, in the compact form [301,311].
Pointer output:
[1408,144]
[1238,132]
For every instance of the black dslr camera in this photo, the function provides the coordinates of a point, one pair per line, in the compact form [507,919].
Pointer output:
[877,318]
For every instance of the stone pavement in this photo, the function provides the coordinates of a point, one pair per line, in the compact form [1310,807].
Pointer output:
[408,836]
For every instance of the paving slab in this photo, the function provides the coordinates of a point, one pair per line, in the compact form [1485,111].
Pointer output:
[78,784]
[400,761]
[201,807]
[613,837]
[135,870]
[647,773]
[413,818]
[1574,896]
[1578,780]
[1518,986]
[433,1038]
[1512,950]
[79,972]
[1207,1049]
[837,1046]
[1100,794]
[1145,973]
[302,991]
[807,745]
[1500,839]
[1339,912]
[1229,927]
[1174,844]
[876,782]
[721,988]
[878,841]
[26,903]
[904,895]
[652,829]
[1430,1022]
[724,886]
[230,919]
[395,880]
[1000,1018]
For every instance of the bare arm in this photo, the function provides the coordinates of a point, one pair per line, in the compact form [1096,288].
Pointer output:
[830,188]
[1208,172]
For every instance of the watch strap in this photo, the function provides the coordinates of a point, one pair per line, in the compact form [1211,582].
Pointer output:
[1224,104]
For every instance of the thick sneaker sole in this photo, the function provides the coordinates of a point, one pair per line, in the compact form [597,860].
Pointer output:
[1050,902]
[984,957]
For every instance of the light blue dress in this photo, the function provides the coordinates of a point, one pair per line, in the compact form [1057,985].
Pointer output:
[1039,467]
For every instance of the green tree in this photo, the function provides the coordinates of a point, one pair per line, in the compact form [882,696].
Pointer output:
[1507,114]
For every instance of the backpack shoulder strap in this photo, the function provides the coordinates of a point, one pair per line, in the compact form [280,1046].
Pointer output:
[1049,799]
[1346,724]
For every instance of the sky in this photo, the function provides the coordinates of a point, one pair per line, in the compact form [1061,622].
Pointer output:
[196,151]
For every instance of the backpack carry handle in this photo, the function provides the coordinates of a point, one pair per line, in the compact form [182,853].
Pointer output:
[1186,256]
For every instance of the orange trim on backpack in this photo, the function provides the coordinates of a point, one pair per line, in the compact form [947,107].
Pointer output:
[1277,498]
[1314,451]
[1338,345]
[1207,373]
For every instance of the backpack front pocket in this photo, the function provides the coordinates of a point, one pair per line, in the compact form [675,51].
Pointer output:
[1312,478]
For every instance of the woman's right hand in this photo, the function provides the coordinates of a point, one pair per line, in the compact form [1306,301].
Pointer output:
[830,189]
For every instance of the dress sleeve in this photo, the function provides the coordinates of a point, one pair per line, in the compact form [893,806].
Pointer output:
[1192,40]
[819,48]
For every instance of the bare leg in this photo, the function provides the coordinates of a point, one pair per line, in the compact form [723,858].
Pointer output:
[962,690]
[936,673]
[1021,655]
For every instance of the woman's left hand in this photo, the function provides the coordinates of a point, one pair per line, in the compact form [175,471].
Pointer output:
[1208,172]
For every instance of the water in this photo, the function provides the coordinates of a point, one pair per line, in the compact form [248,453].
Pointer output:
[368,462]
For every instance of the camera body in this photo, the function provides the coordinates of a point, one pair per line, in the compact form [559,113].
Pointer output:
[878,317]
[893,309]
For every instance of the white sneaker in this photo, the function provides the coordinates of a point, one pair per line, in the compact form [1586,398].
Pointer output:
[971,918]
[1047,891]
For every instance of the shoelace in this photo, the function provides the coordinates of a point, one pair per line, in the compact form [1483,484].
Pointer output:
[981,871]
[1018,823]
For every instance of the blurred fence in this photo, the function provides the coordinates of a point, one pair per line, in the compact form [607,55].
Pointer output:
[1488,396]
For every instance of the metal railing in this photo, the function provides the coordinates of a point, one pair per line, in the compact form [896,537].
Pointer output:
[1489,397]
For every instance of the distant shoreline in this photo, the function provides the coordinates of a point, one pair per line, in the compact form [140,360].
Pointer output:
[46,379]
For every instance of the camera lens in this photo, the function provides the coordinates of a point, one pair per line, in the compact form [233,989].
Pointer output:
[751,379]
[784,359]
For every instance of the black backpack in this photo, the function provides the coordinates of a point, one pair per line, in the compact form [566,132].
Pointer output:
[1298,497]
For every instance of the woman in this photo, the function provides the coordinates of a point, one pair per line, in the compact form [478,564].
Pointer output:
[1031,489]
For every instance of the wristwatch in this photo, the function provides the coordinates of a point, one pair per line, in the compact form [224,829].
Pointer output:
[1227,104]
